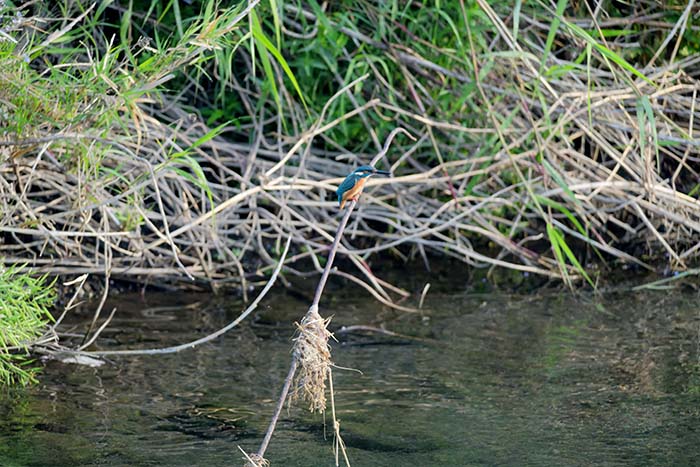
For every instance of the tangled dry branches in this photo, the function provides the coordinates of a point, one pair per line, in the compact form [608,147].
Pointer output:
[607,158]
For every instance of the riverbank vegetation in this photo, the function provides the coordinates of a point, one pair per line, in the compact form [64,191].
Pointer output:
[198,145]
[24,315]
[181,143]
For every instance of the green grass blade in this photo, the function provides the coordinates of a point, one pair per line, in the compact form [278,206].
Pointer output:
[277,22]
[641,121]
[262,39]
[178,18]
[607,53]
[554,241]
[589,108]
[561,208]
[646,105]
[516,19]
[453,26]
[570,255]
[211,134]
[559,181]
[199,178]
[554,27]
[258,37]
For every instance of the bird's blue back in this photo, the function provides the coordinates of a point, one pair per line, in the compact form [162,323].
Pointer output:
[347,184]
[362,171]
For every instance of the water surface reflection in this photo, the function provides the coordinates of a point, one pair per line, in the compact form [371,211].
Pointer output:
[482,380]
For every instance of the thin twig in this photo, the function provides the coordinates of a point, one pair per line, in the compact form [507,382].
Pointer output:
[314,306]
[214,335]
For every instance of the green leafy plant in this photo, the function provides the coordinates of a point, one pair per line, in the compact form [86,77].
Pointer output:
[24,317]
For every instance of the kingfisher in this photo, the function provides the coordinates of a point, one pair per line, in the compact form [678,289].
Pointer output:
[354,183]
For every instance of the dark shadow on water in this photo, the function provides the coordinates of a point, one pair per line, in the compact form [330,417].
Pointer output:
[537,380]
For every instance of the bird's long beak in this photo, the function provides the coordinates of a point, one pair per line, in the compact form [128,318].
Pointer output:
[381,172]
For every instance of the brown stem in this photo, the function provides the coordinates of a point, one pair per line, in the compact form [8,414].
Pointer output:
[317,298]
[314,306]
[331,254]
[280,404]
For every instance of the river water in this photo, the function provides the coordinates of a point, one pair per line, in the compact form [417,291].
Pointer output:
[475,379]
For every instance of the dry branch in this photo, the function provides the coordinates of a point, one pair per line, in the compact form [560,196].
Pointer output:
[134,215]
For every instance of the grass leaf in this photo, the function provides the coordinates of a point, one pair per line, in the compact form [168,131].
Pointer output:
[262,39]
[554,27]
[559,181]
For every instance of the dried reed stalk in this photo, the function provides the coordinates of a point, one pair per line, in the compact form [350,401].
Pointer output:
[626,174]
[311,354]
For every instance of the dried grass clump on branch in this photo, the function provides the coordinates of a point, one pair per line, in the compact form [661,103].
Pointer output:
[541,145]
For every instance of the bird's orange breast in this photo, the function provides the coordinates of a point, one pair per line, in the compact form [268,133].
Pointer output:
[354,191]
